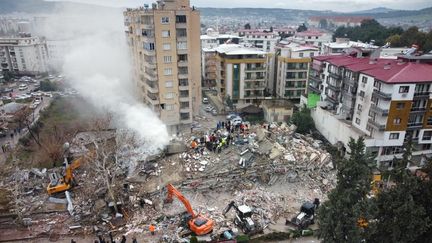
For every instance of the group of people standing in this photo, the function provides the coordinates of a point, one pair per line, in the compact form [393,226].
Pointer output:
[225,134]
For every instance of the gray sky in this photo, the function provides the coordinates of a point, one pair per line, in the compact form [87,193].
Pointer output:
[336,5]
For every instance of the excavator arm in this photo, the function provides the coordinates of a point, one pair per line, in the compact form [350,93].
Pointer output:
[228,208]
[172,191]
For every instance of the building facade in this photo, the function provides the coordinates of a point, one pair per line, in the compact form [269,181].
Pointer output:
[164,40]
[386,101]
[24,55]
[293,62]
[241,74]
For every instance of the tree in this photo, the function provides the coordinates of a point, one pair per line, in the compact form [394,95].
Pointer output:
[394,40]
[347,203]
[47,85]
[229,102]
[323,24]
[247,26]
[303,120]
[302,28]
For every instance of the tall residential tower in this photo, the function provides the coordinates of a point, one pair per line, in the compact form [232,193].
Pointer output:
[164,40]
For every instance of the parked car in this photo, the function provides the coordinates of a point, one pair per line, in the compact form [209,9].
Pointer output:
[205,100]
[236,121]
[209,108]
[23,87]
[214,112]
[231,116]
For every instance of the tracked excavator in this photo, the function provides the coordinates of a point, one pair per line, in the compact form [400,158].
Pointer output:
[197,223]
[243,218]
[66,182]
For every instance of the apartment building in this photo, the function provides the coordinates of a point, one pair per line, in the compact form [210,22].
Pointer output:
[209,42]
[23,55]
[293,61]
[333,22]
[241,74]
[261,39]
[164,40]
[312,37]
[384,100]
[343,45]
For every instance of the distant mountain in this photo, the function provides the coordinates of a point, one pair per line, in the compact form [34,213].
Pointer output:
[375,11]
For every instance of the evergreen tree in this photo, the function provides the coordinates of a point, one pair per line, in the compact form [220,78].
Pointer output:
[339,215]
[303,120]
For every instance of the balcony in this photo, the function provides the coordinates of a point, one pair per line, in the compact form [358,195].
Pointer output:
[379,110]
[184,98]
[150,77]
[334,87]
[183,75]
[377,125]
[315,79]
[332,100]
[314,89]
[255,69]
[350,81]
[382,95]
[254,87]
[152,99]
[421,94]
[414,125]
[182,51]
[418,109]
[255,78]
[183,87]
[335,75]
[149,52]
[185,109]
[182,63]
[181,25]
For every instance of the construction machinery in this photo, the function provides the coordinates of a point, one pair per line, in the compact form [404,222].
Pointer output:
[197,223]
[57,184]
[65,183]
[306,216]
[243,218]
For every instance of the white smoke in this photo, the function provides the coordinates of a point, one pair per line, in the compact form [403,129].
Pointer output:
[97,65]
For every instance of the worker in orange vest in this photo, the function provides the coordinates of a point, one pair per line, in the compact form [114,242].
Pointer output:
[152,229]
[194,144]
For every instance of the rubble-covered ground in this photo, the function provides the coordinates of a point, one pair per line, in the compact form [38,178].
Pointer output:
[272,170]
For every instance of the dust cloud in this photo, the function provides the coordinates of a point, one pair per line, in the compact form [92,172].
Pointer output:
[97,64]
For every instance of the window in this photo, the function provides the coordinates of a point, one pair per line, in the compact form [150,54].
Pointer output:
[394,136]
[364,80]
[181,45]
[168,71]
[181,32]
[427,135]
[301,54]
[165,33]
[167,59]
[359,107]
[169,84]
[169,95]
[169,107]
[396,121]
[165,20]
[181,19]
[148,46]
[357,121]
[403,89]
[311,54]
[400,106]
[167,46]
[362,94]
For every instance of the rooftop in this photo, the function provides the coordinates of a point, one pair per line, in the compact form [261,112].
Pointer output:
[349,44]
[235,49]
[386,70]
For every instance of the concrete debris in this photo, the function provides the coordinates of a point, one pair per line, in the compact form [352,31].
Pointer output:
[268,167]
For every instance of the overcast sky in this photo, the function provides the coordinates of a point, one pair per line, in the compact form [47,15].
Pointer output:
[336,5]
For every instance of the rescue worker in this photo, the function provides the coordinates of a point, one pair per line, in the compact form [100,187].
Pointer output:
[152,229]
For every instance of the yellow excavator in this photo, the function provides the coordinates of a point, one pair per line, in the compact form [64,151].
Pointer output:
[65,183]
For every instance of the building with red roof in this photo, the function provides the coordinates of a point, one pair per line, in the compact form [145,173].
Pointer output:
[384,100]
